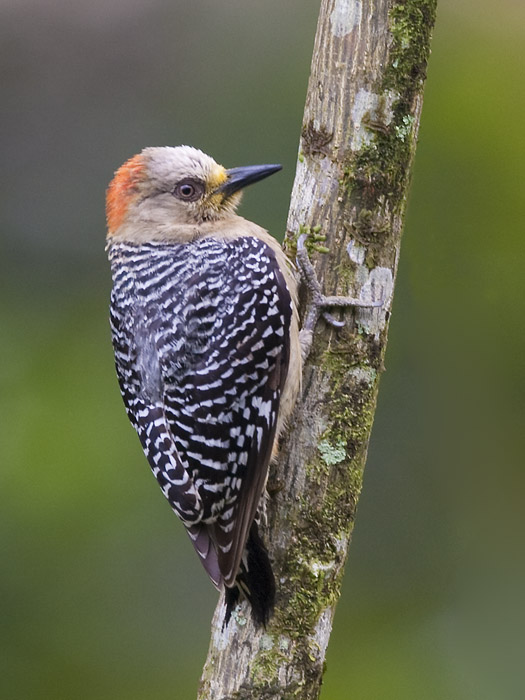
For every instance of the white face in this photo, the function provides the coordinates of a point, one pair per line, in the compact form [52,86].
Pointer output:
[182,187]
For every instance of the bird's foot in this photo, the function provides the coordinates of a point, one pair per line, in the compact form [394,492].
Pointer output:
[319,303]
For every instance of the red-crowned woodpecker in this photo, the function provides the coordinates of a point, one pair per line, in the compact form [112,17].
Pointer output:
[205,332]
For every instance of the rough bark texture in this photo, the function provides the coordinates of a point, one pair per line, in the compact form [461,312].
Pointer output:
[358,140]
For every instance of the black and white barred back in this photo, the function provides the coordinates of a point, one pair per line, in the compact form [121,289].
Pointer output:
[200,332]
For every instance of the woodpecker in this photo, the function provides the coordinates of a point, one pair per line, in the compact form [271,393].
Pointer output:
[205,331]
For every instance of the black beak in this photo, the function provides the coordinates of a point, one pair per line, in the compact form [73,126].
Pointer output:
[240,177]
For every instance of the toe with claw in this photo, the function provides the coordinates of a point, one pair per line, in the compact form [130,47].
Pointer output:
[318,303]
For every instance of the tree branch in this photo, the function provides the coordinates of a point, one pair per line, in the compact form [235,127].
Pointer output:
[358,141]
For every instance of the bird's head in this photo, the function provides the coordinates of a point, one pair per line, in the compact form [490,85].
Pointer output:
[175,186]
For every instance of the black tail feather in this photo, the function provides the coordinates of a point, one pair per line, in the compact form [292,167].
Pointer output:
[255,581]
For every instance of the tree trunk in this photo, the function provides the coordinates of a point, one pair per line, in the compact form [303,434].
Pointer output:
[358,141]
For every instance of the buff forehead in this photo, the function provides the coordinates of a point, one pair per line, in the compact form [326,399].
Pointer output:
[168,164]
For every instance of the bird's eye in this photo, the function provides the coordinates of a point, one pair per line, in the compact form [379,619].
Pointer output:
[188,190]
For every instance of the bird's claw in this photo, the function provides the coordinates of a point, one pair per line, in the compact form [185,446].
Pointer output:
[318,302]
[332,321]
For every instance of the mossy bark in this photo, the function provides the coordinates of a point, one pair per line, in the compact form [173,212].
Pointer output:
[358,141]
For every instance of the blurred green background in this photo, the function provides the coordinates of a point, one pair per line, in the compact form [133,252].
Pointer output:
[101,595]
